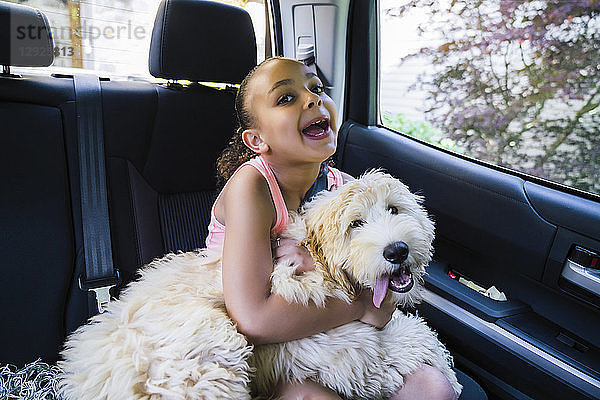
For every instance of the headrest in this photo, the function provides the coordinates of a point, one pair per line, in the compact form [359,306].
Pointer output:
[25,37]
[202,41]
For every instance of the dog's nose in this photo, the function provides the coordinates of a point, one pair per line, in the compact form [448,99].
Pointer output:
[395,252]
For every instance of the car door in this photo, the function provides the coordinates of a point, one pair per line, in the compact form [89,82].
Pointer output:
[533,239]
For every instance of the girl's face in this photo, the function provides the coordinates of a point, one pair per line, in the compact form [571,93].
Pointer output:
[292,113]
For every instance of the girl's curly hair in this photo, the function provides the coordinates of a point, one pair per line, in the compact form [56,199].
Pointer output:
[236,153]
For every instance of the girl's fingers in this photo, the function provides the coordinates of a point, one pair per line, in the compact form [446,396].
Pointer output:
[290,250]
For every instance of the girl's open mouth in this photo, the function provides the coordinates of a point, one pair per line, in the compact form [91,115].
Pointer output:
[318,128]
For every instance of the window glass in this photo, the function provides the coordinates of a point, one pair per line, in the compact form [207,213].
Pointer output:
[112,37]
[510,82]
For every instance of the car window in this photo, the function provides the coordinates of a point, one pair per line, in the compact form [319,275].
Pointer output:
[513,83]
[112,37]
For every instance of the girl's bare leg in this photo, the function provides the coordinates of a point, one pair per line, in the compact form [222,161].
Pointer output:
[426,383]
[307,390]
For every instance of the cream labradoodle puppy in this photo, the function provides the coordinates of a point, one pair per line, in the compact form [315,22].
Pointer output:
[169,335]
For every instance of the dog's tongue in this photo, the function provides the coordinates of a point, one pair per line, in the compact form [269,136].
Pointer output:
[381,287]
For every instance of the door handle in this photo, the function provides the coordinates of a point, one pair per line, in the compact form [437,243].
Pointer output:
[582,268]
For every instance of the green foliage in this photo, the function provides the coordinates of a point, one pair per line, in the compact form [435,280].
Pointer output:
[515,83]
[422,130]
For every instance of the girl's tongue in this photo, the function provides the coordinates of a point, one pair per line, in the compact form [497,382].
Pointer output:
[316,129]
[313,130]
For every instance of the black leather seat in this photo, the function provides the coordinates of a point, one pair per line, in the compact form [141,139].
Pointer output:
[39,239]
[162,141]
[161,144]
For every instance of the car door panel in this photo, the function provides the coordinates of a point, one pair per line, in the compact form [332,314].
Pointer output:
[507,365]
[495,228]
[471,204]
[566,210]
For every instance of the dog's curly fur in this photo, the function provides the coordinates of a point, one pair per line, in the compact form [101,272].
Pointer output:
[169,335]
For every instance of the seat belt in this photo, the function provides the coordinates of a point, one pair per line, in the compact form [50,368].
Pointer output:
[305,53]
[100,274]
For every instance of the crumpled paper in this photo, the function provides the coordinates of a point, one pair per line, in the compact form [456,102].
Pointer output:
[491,292]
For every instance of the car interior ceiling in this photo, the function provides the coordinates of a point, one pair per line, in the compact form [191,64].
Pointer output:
[161,142]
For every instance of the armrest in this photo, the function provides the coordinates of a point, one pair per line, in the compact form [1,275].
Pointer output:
[438,281]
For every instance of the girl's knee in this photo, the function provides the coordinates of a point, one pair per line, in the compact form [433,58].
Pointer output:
[426,383]
[435,384]
[307,390]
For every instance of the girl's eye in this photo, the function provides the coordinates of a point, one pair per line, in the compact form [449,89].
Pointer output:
[286,98]
[393,210]
[357,223]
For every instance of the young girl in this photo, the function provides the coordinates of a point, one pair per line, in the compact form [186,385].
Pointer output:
[287,129]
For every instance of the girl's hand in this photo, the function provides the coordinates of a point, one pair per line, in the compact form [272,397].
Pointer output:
[299,256]
[377,317]
[288,249]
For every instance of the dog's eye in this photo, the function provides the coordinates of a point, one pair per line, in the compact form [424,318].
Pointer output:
[357,223]
[393,210]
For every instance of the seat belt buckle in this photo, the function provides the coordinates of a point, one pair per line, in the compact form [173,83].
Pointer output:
[101,289]
[102,297]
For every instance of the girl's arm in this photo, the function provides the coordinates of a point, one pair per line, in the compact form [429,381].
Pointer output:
[247,267]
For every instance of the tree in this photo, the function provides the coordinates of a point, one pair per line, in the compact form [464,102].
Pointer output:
[516,83]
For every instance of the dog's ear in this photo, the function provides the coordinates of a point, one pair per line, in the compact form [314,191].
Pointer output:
[331,273]
[339,277]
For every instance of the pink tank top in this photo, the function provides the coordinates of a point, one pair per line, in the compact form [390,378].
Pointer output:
[216,230]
